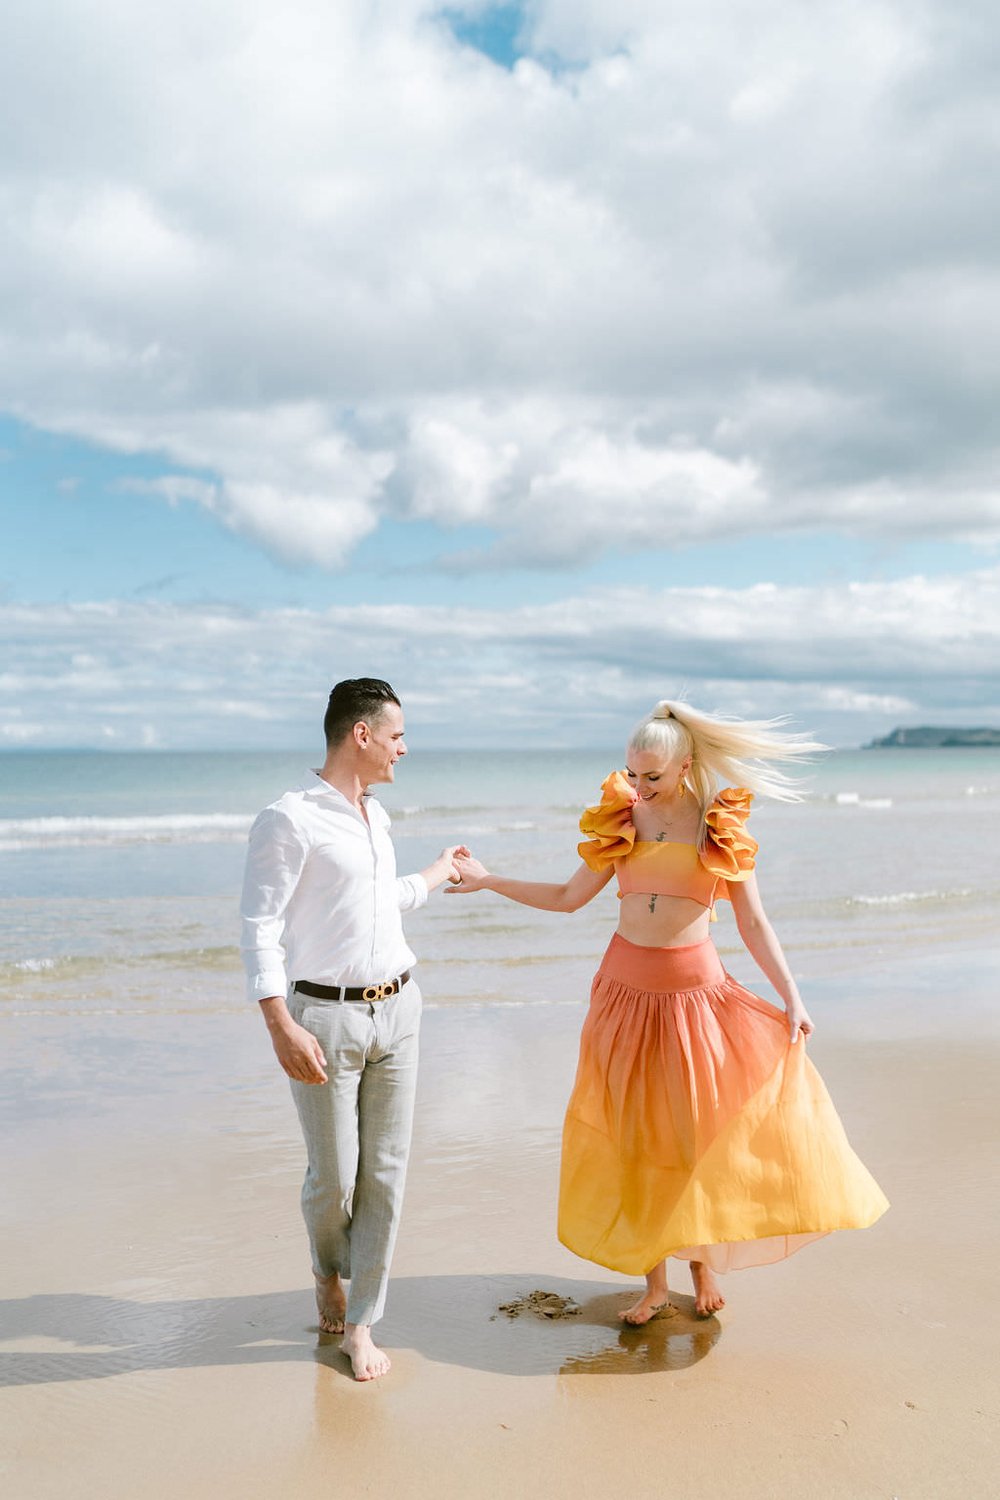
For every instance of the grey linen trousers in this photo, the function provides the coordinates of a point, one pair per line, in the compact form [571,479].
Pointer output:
[357,1128]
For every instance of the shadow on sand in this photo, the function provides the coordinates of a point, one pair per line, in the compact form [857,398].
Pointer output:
[447,1319]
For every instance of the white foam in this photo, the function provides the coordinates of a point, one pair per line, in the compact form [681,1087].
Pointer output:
[847,799]
[903,898]
[47,833]
[476,830]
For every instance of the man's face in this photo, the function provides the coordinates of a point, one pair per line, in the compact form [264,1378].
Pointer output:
[384,745]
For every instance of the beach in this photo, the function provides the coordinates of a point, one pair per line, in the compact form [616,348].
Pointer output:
[157,1330]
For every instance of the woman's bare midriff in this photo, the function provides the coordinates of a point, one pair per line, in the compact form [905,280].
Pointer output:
[662,921]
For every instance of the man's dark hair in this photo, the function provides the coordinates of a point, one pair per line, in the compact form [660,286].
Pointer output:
[353,700]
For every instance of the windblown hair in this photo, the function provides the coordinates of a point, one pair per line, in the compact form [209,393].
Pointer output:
[724,751]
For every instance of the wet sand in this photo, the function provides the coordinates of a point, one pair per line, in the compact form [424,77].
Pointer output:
[158,1338]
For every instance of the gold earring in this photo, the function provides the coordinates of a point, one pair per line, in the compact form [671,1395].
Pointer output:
[681,788]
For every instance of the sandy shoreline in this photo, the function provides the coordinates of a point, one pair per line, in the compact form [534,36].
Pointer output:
[157,1334]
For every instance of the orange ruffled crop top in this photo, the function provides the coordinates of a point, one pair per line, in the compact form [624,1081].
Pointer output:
[653,867]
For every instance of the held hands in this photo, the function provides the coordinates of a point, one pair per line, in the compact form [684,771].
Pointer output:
[451,857]
[444,867]
[469,875]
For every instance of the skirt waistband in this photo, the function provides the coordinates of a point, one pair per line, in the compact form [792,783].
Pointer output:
[694,966]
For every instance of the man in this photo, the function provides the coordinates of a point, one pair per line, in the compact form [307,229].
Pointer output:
[321,908]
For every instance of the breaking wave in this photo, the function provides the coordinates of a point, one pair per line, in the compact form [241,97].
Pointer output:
[166,828]
[906,898]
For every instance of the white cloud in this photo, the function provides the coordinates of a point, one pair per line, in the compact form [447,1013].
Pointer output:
[848,661]
[735,267]
[294,482]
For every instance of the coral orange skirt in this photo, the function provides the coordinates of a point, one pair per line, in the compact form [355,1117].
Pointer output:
[695,1128]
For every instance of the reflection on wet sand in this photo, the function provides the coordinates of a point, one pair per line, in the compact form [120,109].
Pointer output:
[67,1336]
[450,1320]
[674,1341]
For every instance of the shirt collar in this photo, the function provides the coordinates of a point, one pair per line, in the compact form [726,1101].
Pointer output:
[315,786]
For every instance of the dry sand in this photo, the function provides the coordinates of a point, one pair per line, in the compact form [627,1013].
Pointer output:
[158,1339]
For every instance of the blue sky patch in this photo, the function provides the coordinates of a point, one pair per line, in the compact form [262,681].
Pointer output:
[494,31]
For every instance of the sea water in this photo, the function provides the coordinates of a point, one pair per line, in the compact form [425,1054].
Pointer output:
[120,873]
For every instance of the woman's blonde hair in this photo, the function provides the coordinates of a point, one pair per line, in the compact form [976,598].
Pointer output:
[724,751]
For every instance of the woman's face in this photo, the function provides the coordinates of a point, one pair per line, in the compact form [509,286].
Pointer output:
[655,776]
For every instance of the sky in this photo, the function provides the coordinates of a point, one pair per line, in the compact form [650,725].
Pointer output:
[546,359]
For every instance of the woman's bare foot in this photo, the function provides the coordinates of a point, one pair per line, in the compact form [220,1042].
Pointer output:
[708,1296]
[367,1362]
[331,1303]
[655,1300]
[647,1308]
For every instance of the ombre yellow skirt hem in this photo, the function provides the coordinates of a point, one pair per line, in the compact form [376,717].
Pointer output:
[695,1128]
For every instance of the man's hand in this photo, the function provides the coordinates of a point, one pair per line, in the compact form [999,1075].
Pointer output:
[444,867]
[451,857]
[469,874]
[297,1050]
[300,1054]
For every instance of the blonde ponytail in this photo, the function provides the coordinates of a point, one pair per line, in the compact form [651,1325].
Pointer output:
[724,751]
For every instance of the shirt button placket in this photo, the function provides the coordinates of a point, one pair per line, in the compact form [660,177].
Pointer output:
[373,978]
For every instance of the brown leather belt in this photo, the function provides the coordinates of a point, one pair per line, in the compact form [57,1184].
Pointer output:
[353,993]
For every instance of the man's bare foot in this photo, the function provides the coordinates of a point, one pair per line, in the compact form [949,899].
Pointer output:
[654,1303]
[708,1296]
[331,1303]
[367,1362]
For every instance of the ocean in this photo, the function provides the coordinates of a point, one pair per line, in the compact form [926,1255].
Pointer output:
[120,873]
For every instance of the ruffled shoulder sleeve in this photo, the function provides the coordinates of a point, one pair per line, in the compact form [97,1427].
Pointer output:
[729,850]
[609,824]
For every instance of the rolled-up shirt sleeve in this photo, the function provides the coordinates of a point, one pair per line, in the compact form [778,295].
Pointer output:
[275,858]
[412,891]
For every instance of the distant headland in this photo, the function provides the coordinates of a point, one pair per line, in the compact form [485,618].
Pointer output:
[936,737]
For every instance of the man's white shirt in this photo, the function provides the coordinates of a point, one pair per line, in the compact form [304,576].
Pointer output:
[321,897]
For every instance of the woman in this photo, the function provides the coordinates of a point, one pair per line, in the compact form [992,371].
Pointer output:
[697,1127]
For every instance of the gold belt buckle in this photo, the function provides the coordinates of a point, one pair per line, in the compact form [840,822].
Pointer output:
[378,991]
